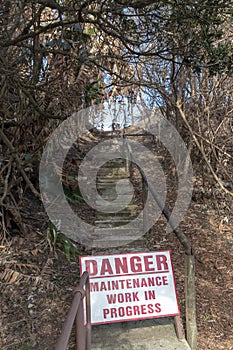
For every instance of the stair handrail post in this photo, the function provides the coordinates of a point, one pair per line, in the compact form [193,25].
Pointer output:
[144,198]
[190,301]
[126,154]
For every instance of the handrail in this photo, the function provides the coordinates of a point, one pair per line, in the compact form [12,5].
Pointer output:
[190,295]
[168,215]
[76,314]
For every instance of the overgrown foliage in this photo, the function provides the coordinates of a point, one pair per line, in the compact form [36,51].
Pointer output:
[59,56]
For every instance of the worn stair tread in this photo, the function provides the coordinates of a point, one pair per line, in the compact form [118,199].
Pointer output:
[111,224]
[124,187]
[114,164]
[113,196]
[114,241]
[130,213]
[109,155]
[137,245]
[138,335]
[112,220]
[117,232]
[110,187]
[120,199]
[113,180]
[124,179]
[114,170]
[113,207]
[110,243]
[113,216]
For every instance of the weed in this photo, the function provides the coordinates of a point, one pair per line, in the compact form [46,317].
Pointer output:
[73,195]
[208,317]
[56,237]
[25,346]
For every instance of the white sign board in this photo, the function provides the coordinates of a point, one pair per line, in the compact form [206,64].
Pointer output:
[131,286]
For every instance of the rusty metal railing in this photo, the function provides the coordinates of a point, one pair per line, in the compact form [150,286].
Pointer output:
[76,315]
[190,295]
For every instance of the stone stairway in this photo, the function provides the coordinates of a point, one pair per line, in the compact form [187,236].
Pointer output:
[117,225]
[115,233]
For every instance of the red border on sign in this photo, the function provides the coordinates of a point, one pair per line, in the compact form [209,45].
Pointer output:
[136,274]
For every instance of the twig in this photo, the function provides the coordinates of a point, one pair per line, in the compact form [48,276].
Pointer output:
[218,180]
[210,143]
[14,154]
[6,182]
[4,230]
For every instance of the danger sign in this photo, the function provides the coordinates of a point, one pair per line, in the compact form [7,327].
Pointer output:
[131,286]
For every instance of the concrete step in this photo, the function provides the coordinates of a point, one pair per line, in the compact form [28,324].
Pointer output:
[110,187]
[129,211]
[111,222]
[111,155]
[112,196]
[108,177]
[107,186]
[123,200]
[116,172]
[113,167]
[115,163]
[139,245]
[118,232]
[124,177]
[155,334]
[106,183]
[117,243]
[109,147]
[115,236]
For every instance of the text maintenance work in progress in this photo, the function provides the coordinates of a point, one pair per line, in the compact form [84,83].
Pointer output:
[131,286]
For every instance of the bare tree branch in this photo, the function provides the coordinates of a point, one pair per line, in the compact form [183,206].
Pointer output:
[15,155]
[218,180]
